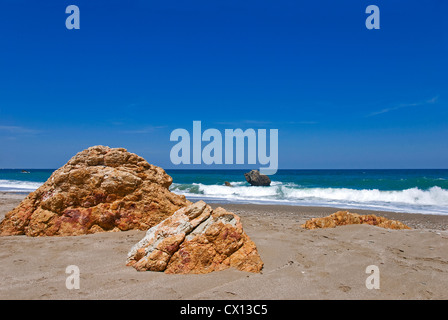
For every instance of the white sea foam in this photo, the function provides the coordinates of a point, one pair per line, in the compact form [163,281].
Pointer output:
[413,196]
[18,186]
[433,200]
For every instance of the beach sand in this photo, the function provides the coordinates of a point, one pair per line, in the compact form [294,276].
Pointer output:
[299,263]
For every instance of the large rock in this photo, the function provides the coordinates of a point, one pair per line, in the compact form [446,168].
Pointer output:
[255,178]
[99,189]
[196,239]
[342,218]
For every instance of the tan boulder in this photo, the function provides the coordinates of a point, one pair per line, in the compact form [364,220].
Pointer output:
[342,218]
[196,239]
[99,189]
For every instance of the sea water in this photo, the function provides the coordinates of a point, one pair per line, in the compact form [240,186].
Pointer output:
[413,191]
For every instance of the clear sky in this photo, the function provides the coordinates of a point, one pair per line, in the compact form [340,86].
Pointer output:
[341,96]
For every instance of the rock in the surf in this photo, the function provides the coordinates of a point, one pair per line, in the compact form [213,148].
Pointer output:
[255,178]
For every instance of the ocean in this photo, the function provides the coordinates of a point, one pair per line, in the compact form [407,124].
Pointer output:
[412,191]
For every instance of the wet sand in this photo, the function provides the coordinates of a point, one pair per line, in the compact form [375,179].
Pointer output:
[299,264]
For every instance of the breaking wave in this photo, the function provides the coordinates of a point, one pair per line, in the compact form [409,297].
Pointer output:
[18,186]
[433,200]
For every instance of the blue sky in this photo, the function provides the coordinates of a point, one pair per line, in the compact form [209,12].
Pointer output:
[341,96]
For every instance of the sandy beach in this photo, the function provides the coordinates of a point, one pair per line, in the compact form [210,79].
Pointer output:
[298,263]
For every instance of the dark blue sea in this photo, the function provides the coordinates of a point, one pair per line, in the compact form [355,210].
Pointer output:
[413,191]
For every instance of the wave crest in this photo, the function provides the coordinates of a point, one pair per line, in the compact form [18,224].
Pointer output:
[433,200]
[18,186]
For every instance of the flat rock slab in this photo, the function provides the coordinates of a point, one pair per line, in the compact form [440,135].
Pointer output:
[342,218]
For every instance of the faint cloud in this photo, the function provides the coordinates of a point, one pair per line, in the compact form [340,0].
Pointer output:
[405,105]
[257,122]
[144,130]
[19,130]
[302,122]
[243,122]
[385,110]
[433,100]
